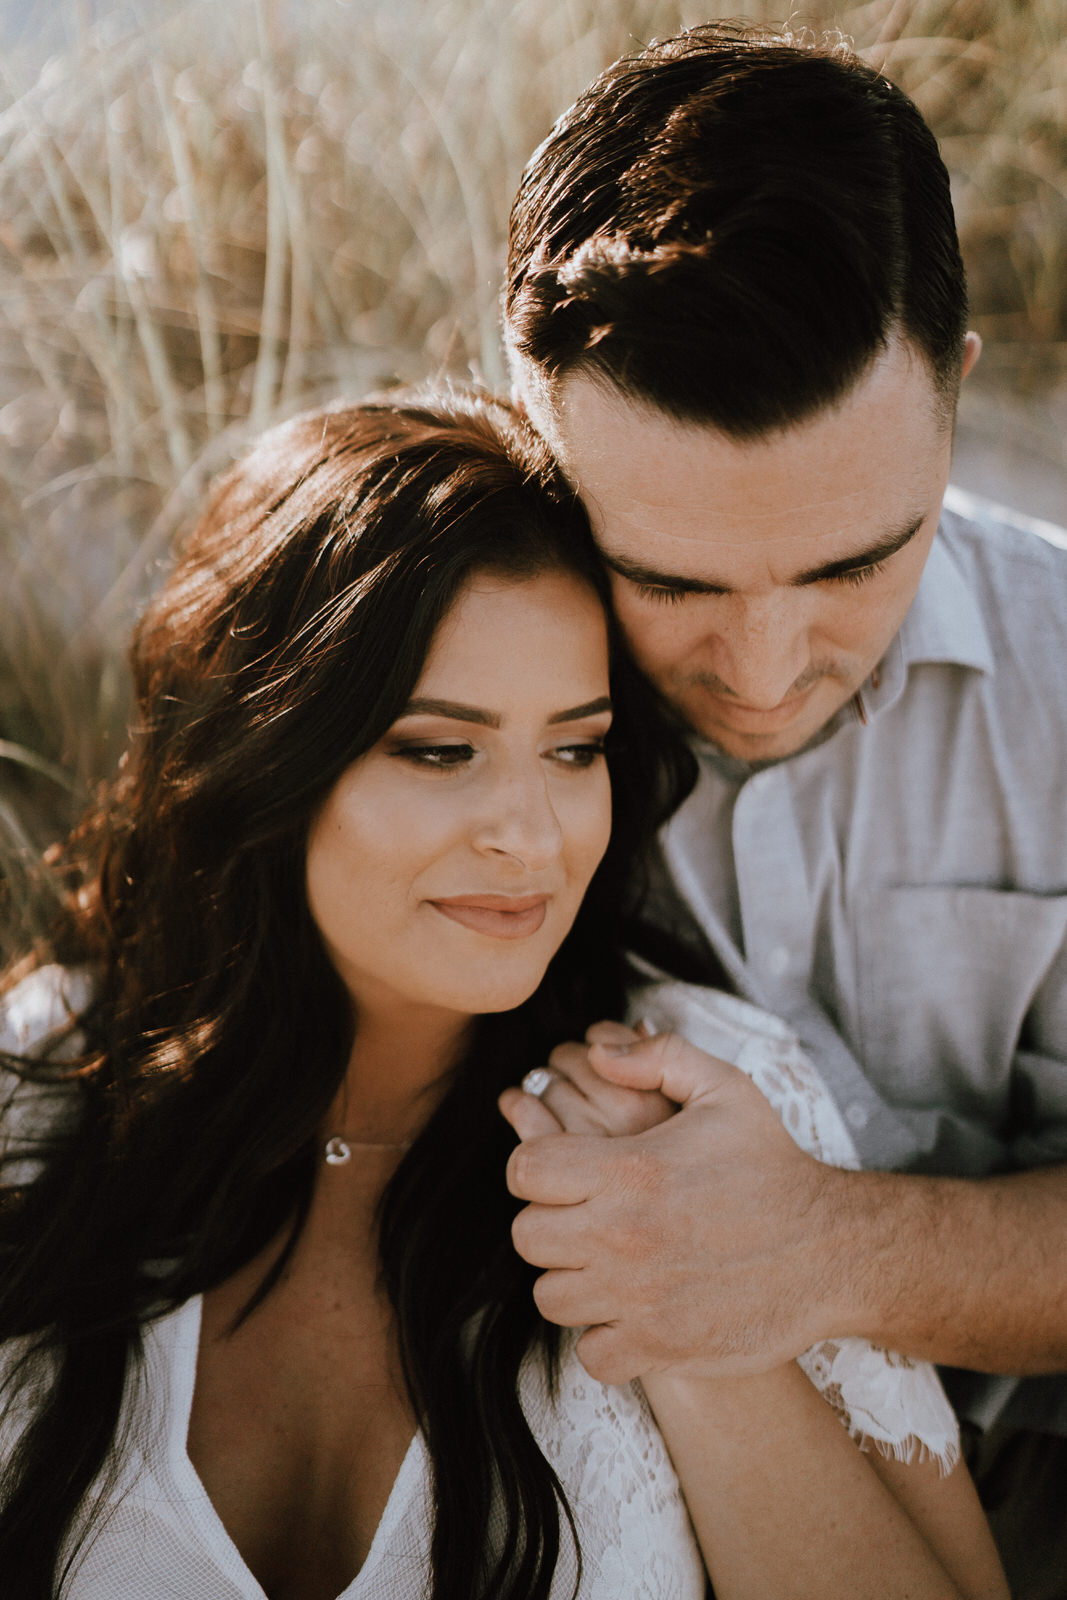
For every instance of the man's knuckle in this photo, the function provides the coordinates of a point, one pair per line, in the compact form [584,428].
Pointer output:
[640,1170]
[547,1298]
[521,1229]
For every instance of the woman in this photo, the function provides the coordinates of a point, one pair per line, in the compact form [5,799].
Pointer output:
[263,1328]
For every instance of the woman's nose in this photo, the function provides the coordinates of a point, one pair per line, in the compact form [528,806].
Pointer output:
[520,820]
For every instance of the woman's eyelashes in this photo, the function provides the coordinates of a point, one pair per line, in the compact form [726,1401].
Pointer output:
[584,754]
[448,757]
[435,755]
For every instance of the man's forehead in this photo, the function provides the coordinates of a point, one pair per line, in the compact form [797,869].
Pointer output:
[666,488]
[682,531]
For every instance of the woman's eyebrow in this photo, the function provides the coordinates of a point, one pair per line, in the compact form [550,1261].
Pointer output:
[592,708]
[451,708]
[459,712]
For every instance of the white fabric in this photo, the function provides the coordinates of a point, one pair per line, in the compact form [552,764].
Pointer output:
[163,1540]
[885,1400]
[36,1012]
[160,1537]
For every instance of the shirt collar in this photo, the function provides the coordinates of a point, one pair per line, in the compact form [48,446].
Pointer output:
[945,622]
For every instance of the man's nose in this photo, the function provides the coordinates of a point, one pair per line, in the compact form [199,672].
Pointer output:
[520,820]
[761,649]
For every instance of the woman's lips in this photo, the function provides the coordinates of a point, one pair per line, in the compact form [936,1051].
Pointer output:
[498,915]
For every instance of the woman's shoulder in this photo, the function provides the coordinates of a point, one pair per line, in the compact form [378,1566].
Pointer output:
[38,1017]
[41,1008]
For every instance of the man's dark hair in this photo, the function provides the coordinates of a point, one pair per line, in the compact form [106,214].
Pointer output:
[732,225]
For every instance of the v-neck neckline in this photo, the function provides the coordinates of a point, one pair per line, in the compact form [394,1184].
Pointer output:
[181,1379]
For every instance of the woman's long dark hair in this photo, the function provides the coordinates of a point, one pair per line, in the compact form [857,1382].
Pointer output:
[285,643]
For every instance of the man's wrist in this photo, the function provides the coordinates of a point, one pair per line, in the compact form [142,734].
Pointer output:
[875,1227]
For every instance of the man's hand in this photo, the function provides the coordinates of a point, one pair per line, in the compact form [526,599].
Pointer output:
[701,1244]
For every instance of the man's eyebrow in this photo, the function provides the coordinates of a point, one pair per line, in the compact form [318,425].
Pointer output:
[886,547]
[652,578]
[491,719]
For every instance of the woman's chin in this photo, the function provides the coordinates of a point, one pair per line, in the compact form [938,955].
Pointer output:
[504,997]
[500,992]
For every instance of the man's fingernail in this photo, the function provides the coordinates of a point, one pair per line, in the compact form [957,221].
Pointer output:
[613,1049]
[647,1027]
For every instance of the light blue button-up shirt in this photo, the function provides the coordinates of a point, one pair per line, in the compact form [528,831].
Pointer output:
[898,889]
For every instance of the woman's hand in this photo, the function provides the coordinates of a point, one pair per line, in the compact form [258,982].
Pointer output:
[576,1099]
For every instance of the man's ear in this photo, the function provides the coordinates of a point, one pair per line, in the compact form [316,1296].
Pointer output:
[972,349]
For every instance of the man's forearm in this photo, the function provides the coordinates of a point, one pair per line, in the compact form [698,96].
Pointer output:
[969,1273]
[713,1245]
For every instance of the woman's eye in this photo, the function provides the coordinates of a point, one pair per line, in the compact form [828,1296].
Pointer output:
[436,755]
[580,755]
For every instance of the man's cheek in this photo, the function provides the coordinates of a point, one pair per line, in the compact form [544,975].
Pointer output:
[660,641]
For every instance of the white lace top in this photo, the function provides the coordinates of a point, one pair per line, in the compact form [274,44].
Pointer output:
[887,1401]
[161,1538]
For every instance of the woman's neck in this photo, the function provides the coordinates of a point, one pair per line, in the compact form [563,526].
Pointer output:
[396,1074]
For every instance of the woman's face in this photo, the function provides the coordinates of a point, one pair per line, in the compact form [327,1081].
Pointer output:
[447,864]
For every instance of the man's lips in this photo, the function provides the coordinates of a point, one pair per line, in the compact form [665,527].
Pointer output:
[499,915]
[754,719]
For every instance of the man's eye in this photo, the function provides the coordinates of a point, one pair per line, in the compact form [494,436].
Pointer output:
[580,755]
[860,575]
[651,591]
[436,755]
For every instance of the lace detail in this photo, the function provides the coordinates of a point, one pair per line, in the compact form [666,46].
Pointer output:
[887,1402]
[635,1533]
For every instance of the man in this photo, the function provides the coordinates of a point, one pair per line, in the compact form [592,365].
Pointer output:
[736,307]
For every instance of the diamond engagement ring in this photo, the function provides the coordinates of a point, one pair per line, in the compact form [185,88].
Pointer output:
[537,1081]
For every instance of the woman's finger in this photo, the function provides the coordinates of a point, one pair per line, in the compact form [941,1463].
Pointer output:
[569,1060]
[620,1110]
[574,1112]
[529,1116]
[610,1033]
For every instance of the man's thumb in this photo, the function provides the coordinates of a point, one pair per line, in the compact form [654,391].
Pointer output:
[666,1062]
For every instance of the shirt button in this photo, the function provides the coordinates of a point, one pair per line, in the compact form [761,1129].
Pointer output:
[778,961]
[857,1115]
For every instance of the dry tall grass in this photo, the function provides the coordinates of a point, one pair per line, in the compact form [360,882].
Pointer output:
[217,215]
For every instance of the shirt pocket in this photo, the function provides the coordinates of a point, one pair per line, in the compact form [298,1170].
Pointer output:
[945,977]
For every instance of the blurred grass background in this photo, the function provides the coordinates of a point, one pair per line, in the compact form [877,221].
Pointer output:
[214,213]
